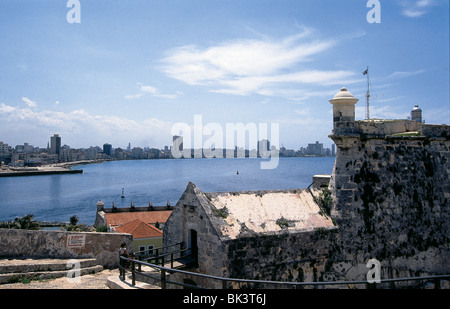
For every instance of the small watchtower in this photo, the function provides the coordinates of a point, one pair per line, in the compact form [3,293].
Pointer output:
[343,112]
[416,114]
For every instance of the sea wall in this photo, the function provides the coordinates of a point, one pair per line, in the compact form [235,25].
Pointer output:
[16,243]
[391,203]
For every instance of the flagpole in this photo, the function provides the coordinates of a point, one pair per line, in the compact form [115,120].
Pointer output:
[366,72]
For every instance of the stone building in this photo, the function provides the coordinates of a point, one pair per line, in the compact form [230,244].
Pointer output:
[146,237]
[389,201]
[273,235]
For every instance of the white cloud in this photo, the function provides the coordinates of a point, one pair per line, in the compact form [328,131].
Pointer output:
[29,103]
[82,128]
[416,8]
[145,89]
[243,67]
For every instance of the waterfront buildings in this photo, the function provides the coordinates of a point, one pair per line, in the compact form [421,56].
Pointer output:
[29,155]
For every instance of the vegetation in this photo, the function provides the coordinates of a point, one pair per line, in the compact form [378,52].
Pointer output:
[27,222]
[102,229]
[282,223]
[74,226]
[24,223]
[325,201]
[222,213]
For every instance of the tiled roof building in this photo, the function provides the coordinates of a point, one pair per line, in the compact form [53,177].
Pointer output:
[114,217]
[139,229]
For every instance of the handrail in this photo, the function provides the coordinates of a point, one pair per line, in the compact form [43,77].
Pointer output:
[157,248]
[224,281]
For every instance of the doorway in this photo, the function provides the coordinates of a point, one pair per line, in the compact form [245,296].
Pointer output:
[193,244]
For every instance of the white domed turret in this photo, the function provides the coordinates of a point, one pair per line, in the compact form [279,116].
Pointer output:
[344,111]
[344,93]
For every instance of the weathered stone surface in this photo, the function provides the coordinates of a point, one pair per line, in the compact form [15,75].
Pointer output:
[53,244]
[391,197]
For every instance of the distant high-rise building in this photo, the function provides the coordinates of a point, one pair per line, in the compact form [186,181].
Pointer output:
[333,150]
[107,149]
[137,152]
[263,147]
[55,145]
[315,149]
[3,147]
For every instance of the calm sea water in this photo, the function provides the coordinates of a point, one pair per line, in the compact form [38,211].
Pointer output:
[58,197]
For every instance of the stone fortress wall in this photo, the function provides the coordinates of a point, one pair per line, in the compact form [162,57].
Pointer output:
[391,193]
[17,243]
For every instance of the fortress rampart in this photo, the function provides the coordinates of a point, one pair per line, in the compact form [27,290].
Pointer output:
[391,191]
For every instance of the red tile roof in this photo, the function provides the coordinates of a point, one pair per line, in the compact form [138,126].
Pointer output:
[151,217]
[139,229]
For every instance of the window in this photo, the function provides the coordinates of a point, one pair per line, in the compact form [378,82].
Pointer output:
[150,250]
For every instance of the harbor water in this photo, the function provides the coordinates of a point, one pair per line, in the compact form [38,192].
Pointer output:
[58,197]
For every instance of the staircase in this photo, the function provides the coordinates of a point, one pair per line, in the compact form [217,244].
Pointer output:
[144,281]
[17,270]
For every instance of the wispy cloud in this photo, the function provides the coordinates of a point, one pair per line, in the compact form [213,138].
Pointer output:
[150,90]
[29,103]
[405,74]
[263,66]
[416,8]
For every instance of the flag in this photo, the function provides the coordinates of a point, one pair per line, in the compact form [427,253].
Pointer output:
[366,72]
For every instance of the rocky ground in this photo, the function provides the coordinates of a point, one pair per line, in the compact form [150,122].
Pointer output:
[92,282]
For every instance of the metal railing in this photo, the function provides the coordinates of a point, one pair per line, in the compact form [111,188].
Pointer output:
[160,259]
[224,282]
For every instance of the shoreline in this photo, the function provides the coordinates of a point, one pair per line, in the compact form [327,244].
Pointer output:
[51,169]
[76,163]
[39,171]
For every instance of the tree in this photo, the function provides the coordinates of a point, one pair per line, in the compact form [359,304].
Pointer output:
[74,220]
[74,226]
[26,223]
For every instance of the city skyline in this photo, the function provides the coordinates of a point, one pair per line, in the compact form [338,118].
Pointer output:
[27,155]
[129,71]
[52,148]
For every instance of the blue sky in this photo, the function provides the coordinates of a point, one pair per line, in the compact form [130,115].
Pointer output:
[131,69]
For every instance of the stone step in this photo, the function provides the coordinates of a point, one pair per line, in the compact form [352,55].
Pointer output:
[35,265]
[148,273]
[34,269]
[116,283]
